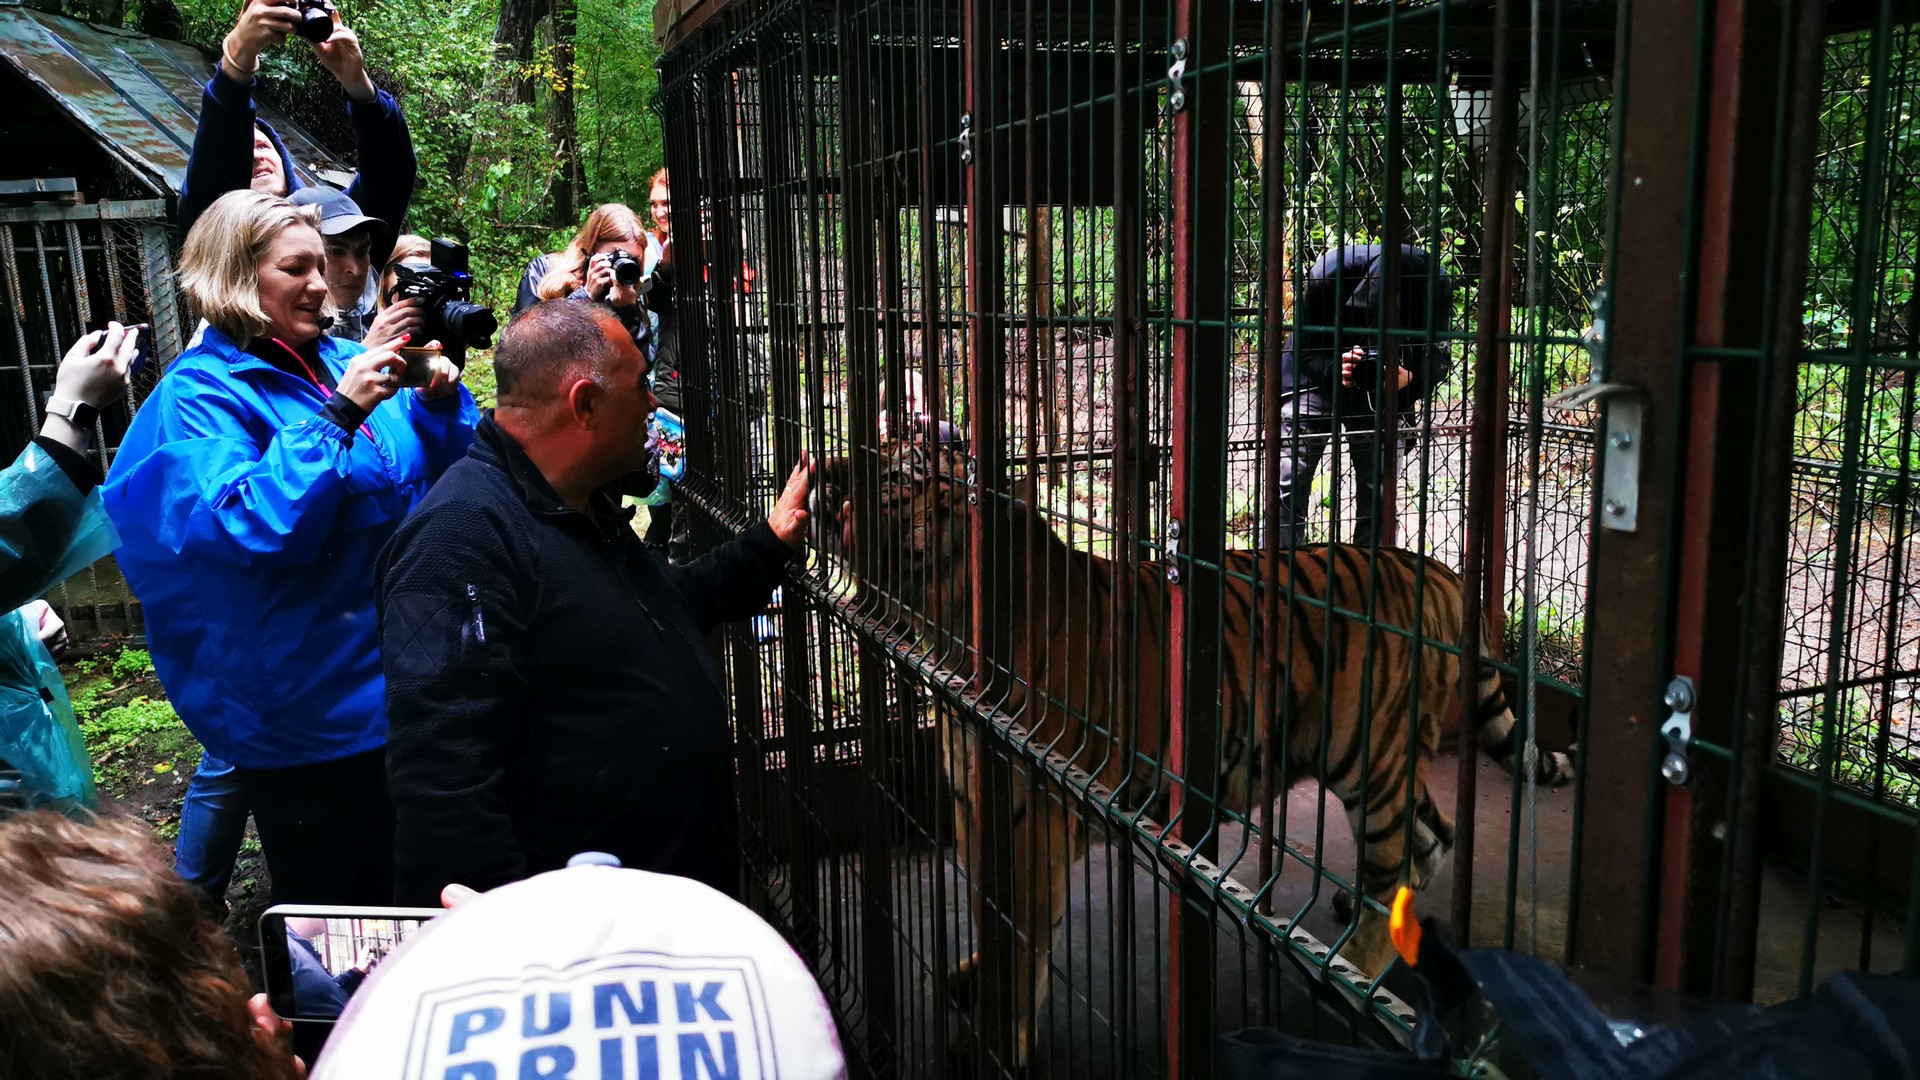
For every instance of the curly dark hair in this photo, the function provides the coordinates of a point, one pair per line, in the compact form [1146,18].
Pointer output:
[109,966]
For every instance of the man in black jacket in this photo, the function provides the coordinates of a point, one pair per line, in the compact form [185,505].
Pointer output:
[1332,377]
[549,690]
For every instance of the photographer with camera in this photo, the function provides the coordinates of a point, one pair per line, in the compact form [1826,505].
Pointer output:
[1332,377]
[252,492]
[234,151]
[606,261]
[351,238]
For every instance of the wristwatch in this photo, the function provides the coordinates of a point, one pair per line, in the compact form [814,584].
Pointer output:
[79,413]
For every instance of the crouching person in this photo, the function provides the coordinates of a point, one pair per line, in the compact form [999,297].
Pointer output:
[548,688]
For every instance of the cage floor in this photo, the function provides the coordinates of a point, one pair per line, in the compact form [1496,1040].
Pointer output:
[1110,972]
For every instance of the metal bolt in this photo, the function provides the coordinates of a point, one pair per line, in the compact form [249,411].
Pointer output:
[1719,830]
[1621,440]
[1179,50]
[1679,698]
[1177,100]
[1173,528]
[1615,508]
[1173,575]
[1674,768]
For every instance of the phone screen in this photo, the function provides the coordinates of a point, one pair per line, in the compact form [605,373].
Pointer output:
[313,959]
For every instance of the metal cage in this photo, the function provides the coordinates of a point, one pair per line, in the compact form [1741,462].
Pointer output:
[1014,748]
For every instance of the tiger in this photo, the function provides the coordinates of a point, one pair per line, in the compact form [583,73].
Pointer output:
[1061,667]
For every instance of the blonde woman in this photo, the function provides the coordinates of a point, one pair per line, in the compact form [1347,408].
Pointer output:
[252,493]
[585,270]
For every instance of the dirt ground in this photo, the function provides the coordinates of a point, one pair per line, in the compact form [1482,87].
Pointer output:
[144,758]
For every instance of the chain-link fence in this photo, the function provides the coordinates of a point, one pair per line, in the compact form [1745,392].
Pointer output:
[68,269]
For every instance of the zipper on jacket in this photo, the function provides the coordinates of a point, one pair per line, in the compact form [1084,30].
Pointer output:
[479,622]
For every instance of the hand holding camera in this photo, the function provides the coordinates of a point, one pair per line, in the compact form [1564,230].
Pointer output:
[374,376]
[444,291]
[262,25]
[338,49]
[1360,369]
[266,23]
[616,278]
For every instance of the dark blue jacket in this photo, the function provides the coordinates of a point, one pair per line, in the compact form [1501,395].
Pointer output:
[250,520]
[317,994]
[222,159]
[549,686]
[1346,289]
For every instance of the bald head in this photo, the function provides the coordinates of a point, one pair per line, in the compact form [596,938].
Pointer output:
[550,346]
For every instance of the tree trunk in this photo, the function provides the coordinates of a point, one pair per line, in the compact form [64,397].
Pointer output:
[570,182]
[513,39]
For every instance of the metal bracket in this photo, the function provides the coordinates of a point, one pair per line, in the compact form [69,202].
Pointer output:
[973,481]
[1173,552]
[966,138]
[1177,74]
[1678,731]
[1625,419]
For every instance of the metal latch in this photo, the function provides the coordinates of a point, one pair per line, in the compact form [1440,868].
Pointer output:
[1177,74]
[966,138]
[1625,418]
[1173,552]
[1678,731]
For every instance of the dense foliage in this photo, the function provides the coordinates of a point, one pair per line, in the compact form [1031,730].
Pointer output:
[484,119]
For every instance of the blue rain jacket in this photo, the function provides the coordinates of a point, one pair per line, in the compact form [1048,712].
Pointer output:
[48,532]
[250,526]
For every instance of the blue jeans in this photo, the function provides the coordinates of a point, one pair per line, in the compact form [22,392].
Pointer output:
[213,821]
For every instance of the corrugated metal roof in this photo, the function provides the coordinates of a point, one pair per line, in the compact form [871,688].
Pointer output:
[137,96]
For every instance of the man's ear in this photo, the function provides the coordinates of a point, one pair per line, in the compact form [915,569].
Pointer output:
[583,395]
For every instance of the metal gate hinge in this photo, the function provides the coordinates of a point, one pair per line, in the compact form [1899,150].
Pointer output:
[1177,74]
[1678,731]
[1173,552]
[1625,405]
[966,138]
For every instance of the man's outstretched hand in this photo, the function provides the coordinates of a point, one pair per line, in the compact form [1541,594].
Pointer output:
[789,518]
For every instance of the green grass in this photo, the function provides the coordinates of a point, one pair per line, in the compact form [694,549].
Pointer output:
[121,723]
[1802,727]
[151,725]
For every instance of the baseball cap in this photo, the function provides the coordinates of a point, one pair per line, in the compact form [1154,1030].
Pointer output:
[337,212]
[591,971]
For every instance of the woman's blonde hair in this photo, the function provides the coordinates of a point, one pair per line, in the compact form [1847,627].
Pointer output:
[609,221]
[408,248]
[220,263]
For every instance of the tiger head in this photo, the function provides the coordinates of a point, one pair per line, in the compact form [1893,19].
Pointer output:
[920,519]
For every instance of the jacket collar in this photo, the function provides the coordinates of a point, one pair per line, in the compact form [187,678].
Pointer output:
[493,446]
[214,341]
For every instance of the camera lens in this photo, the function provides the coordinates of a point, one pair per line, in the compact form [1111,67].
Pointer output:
[626,268]
[316,23]
[471,323]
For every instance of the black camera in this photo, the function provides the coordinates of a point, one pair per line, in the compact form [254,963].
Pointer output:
[445,291]
[626,269]
[1366,370]
[316,20]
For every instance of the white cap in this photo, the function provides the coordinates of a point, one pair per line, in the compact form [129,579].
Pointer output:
[590,973]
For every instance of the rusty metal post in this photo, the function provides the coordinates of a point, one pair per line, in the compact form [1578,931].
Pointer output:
[1202,286]
[1488,424]
[1737,458]
[1271,675]
[784,170]
[985,68]
[865,281]
[1130,511]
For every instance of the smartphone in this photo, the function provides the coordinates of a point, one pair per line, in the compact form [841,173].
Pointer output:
[143,350]
[419,369]
[313,958]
